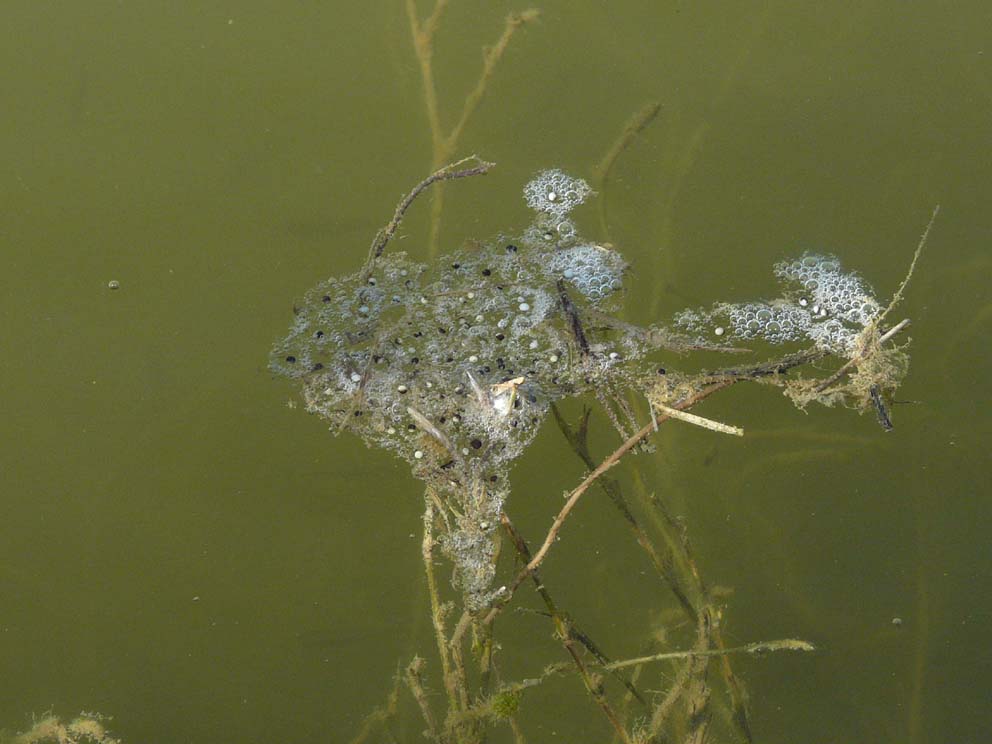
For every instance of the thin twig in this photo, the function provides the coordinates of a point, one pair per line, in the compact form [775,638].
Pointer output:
[490,59]
[760,647]
[437,613]
[564,626]
[601,172]
[912,265]
[443,145]
[859,357]
[380,715]
[575,495]
[415,682]
[447,173]
[691,418]
[634,126]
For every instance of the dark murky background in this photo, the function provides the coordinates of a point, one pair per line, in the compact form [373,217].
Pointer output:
[181,550]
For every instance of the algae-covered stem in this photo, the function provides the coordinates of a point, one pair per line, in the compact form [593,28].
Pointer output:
[447,173]
[760,647]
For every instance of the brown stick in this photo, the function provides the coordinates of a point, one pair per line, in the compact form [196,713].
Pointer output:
[574,497]
[447,173]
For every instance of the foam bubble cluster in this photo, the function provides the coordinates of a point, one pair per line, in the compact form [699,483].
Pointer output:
[555,193]
[597,272]
[820,302]
[842,295]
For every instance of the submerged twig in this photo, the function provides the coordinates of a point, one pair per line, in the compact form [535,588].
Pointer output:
[442,144]
[414,682]
[445,173]
[601,171]
[575,495]
[380,715]
[760,647]
[880,410]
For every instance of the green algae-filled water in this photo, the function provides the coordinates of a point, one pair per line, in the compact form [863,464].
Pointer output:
[184,549]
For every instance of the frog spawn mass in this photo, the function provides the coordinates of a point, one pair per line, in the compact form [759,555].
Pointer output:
[453,366]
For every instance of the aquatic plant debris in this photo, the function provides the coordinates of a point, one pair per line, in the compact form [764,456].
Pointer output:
[453,366]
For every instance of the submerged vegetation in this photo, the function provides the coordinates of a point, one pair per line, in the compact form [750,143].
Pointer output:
[86,728]
[455,365]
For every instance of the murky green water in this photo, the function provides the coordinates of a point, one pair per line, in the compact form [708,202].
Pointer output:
[182,550]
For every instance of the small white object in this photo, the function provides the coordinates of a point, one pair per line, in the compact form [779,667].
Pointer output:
[471,295]
[719,330]
[418,454]
[554,357]
[803,302]
[524,307]
[479,319]
[429,384]
[390,430]
[402,388]
[473,359]
[423,300]
[364,309]
[464,450]
[614,355]
[532,345]
[355,377]
[552,196]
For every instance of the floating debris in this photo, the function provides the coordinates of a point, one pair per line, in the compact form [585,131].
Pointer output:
[453,366]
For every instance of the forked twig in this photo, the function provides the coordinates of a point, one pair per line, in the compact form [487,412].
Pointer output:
[576,494]
[443,145]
